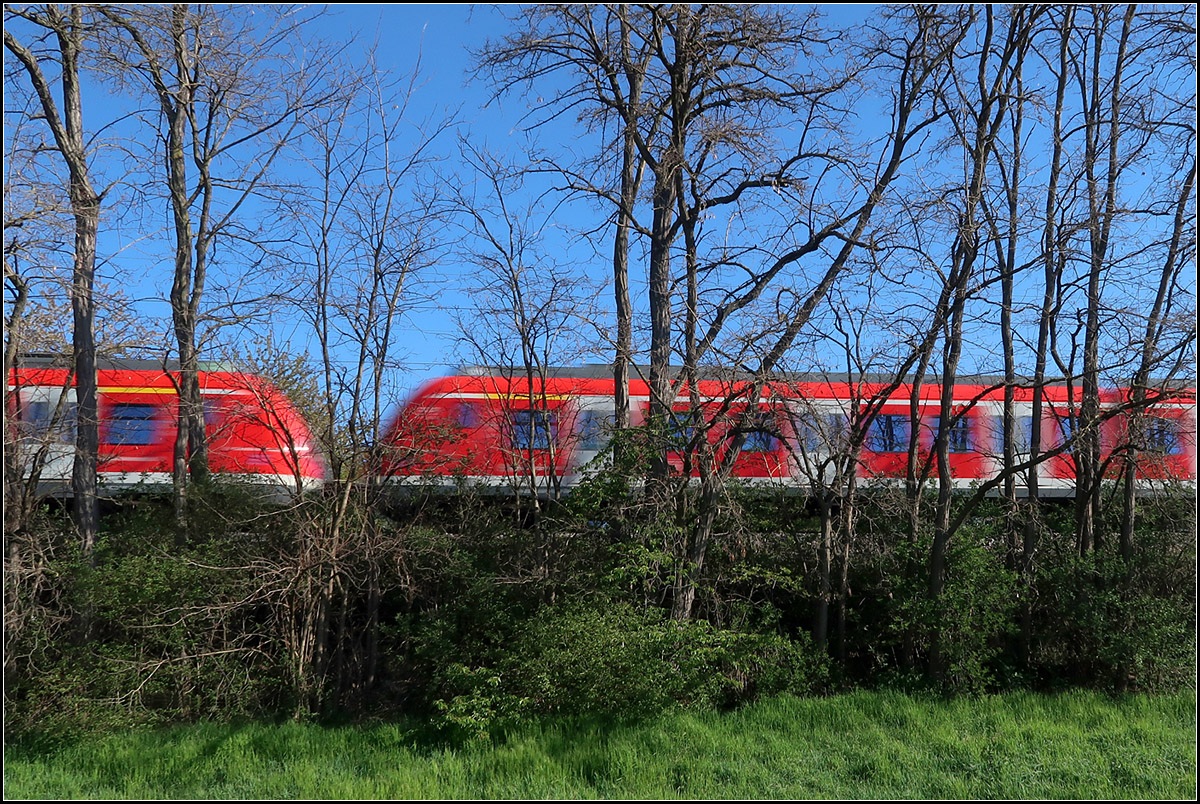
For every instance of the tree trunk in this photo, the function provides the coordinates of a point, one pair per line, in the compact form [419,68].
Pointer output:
[824,577]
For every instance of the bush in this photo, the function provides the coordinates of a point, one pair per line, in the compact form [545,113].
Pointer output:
[149,637]
[972,620]
[1110,625]
[601,659]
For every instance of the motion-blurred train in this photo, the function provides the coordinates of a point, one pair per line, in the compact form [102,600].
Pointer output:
[496,430]
[254,433]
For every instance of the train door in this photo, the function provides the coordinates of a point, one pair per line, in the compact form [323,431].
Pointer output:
[819,437]
[595,418]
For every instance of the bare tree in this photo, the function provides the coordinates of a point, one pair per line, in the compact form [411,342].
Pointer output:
[527,311]
[984,92]
[39,315]
[227,111]
[924,46]
[69,32]
[1115,110]
[31,220]
[360,234]
[1167,338]
[717,84]
[1155,347]
[601,50]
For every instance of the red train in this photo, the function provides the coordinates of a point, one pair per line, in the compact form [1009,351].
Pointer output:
[254,432]
[495,430]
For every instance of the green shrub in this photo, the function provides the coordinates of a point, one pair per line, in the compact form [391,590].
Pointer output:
[972,619]
[1112,625]
[610,659]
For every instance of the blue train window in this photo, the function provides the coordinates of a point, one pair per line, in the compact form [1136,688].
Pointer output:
[959,434]
[760,441]
[1066,430]
[889,432]
[213,416]
[594,427]
[38,419]
[761,438]
[533,429]
[822,433]
[130,424]
[1162,436]
[1023,434]
[468,415]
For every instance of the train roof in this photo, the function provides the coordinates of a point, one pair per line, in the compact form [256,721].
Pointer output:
[46,360]
[602,371]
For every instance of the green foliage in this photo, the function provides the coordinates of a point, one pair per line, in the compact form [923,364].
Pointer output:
[480,706]
[593,658]
[469,610]
[605,493]
[154,634]
[974,617]
[966,629]
[1114,624]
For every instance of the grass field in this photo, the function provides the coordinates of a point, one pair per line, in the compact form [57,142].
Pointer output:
[862,745]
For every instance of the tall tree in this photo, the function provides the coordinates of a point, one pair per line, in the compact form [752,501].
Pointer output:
[1121,109]
[925,41]
[226,112]
[64,119]
[605,58]
[983,93]
[1101,98]
[719,84]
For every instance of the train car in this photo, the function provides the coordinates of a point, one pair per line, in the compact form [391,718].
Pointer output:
[254,433]
[495,430]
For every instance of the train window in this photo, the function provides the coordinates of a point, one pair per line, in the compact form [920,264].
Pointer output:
[760,441]
[212,416]
[1023,434]
[534,429]
[1162,436]
[681,427]
[38,418]
[959,434]
[594,428]
[761,438]
[889,433]
[821,433]
[467,415]
[130,424]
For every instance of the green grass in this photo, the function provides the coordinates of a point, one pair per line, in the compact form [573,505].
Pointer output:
[862,745]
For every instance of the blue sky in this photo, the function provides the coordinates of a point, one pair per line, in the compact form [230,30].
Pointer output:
[433,39]
[441,37]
